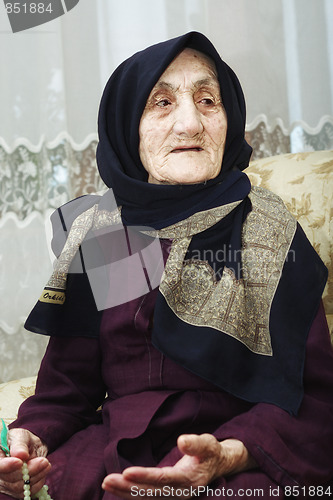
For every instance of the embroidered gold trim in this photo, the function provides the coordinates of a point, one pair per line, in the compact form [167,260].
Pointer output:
[197,223]
[239,308]
[90,219]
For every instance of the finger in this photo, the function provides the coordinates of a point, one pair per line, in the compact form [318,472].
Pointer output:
[12,490]
[38,468]
[154,477]
[15,489]
[35,488]
[122,482]
[202,446]
[19,442]
[11,481]
[117,485]
[37,473]
[121,493]
[11,468]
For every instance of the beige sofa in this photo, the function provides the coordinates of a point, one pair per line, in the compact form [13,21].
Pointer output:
[305,183]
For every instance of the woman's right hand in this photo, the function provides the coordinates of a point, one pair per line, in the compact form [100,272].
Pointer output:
[24,447]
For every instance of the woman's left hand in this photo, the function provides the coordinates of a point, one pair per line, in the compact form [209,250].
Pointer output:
[205,459]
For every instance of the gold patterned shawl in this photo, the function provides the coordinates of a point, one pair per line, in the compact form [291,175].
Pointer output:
[237,307]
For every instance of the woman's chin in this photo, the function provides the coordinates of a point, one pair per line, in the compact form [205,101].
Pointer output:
[185,176]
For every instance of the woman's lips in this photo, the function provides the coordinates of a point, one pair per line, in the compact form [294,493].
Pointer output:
[185,150]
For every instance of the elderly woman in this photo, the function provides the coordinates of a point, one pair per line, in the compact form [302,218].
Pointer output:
[219,378]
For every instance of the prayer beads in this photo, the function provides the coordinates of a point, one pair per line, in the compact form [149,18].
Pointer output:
[42,493]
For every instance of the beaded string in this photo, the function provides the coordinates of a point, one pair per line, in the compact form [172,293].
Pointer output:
[42,494]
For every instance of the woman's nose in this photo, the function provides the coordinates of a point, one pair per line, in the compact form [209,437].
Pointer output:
[187,119]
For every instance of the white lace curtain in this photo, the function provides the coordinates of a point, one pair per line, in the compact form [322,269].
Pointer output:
[52,78]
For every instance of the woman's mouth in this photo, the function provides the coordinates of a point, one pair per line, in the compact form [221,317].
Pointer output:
[196,149]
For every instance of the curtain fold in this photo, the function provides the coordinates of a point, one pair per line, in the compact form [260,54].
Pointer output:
[52,77]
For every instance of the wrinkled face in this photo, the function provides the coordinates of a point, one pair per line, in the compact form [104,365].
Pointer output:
[183,127]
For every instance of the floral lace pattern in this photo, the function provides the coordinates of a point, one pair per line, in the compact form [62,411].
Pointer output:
[271,142]
[47,178]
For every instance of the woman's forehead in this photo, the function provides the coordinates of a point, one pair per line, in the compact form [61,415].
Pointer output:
[192,64]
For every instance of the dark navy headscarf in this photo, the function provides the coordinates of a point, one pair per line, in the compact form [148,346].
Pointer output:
[118,159]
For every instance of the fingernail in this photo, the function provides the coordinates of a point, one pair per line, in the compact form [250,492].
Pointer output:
[186,442]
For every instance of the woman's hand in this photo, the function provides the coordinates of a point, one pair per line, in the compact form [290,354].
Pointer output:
[205,459]
[24,447]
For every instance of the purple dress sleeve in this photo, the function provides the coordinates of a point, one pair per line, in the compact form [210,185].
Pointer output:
[295,450]
[68,392]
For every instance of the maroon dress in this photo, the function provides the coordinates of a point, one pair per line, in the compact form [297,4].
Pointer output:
[151,400]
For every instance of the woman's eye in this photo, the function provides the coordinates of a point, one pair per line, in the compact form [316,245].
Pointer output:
[207,101]
[163,103]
